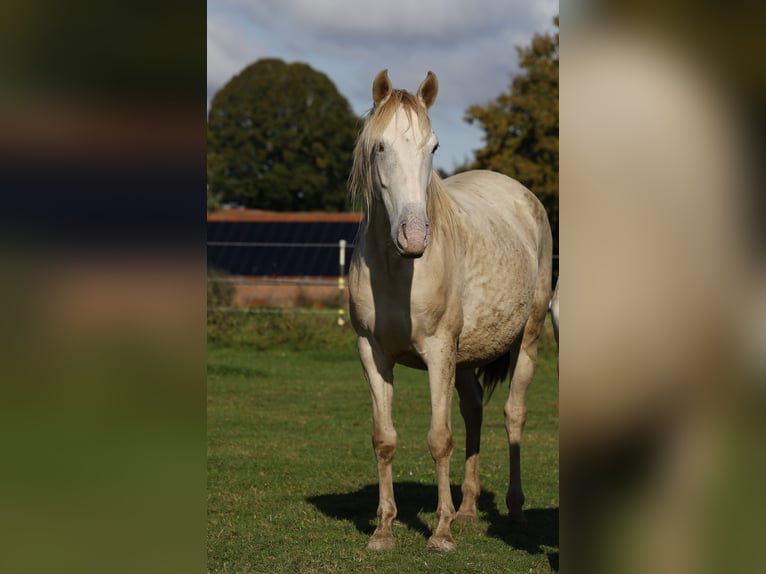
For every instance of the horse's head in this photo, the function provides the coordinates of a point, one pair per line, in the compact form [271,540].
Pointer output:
[401,145]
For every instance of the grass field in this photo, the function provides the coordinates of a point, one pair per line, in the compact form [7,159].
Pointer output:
[292,479]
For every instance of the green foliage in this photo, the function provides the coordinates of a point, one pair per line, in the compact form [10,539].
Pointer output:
[280,137]
[269,328]
[522,125]
[220,294]
[213,201]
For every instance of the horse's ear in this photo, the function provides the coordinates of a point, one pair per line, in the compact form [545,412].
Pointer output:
[381,88]
[428,89]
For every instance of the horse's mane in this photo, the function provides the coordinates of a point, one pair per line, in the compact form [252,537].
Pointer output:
[375,122]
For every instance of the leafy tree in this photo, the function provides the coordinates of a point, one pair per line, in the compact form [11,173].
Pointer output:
[522,125]
[280,137]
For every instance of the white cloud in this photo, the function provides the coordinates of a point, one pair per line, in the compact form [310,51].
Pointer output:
[229,49]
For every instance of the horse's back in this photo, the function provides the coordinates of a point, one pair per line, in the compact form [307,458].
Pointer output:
[499,215]
[480,193]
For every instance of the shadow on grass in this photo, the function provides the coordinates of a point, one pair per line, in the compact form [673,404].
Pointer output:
[359,507]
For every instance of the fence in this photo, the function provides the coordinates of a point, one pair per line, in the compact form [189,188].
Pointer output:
[295,284]
[265,244]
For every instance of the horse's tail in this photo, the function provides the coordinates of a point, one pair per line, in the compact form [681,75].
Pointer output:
[494,373]
[553,307]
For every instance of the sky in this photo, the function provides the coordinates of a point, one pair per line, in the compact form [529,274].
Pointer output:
[468,44]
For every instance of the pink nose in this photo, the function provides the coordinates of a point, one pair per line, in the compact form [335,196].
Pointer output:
[413,237]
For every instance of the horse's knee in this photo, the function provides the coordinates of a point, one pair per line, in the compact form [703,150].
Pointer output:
[440,444]
[384,444]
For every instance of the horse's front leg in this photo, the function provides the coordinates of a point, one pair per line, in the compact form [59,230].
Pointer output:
[378,370]
[441,376]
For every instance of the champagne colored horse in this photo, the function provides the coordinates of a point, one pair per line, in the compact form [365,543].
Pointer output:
[451,276]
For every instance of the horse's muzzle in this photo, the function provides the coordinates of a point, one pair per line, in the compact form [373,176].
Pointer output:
[413,235]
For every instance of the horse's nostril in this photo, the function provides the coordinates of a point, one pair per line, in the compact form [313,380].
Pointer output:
[403,235]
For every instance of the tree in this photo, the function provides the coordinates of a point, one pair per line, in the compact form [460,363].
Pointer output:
[522,125]
[280,137]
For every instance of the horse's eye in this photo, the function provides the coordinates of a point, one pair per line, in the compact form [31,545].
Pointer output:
[435,148]
[381,148]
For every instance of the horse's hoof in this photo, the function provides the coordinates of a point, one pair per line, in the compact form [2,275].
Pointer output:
[517,519]
[467,517]
[441,544]
[381,542]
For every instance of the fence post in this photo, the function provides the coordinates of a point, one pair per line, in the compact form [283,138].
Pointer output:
[341,281]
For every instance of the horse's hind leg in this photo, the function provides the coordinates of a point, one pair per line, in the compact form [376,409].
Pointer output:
[471,408]
[380,377]
[515,416]
[515,409]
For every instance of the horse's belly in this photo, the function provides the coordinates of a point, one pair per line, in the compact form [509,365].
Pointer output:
[493,322]
[486,342]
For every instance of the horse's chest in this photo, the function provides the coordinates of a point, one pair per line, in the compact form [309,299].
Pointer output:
[396,314]
[384,313]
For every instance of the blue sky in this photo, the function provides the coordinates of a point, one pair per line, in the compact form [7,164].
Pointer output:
[468,44]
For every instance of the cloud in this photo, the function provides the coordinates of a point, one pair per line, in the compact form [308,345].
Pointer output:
[229,49]
[441,21]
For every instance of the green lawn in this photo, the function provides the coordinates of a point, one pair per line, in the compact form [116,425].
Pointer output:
[292,479]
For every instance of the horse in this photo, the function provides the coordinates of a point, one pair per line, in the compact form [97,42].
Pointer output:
[451,276]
